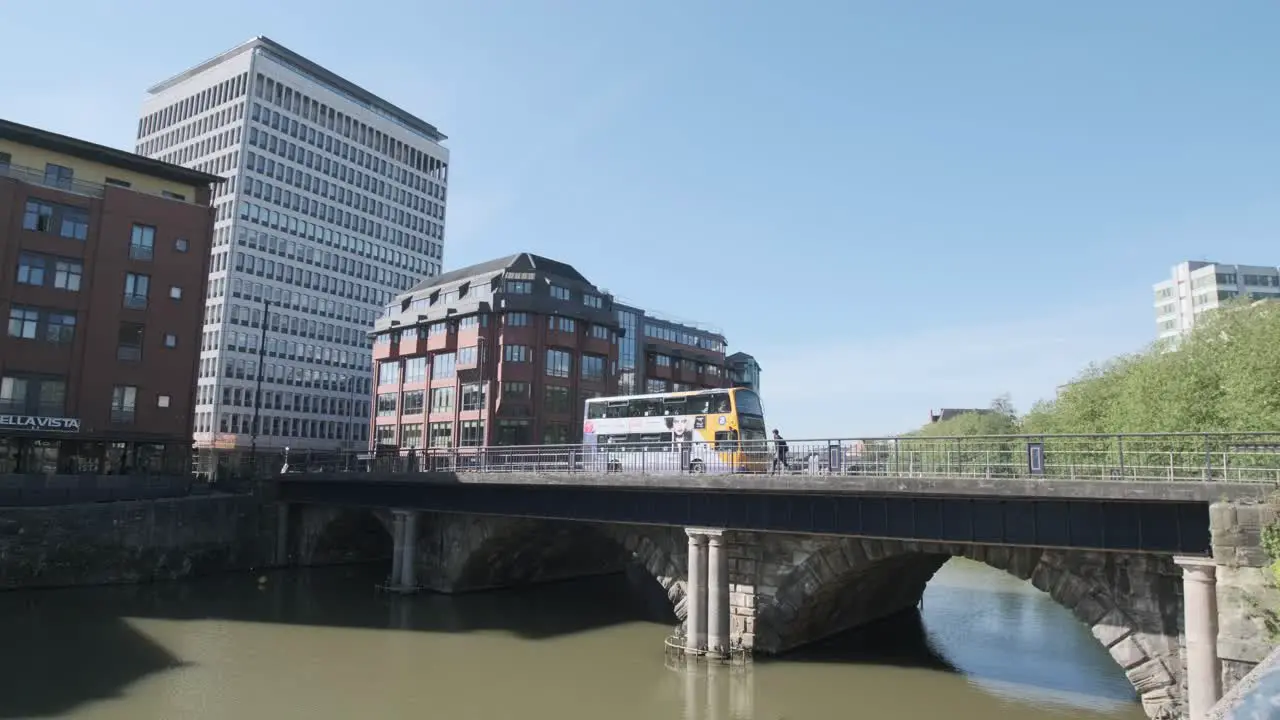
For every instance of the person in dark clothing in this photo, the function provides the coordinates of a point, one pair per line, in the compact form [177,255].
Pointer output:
[779,451]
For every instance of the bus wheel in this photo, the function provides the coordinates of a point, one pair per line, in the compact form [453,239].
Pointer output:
[696,466]
[615,466]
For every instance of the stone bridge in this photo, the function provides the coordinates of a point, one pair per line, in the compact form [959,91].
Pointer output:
[1166,622]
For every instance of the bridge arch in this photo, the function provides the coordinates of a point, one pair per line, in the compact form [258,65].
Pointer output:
[1129,602]
[509,552]
[335,535]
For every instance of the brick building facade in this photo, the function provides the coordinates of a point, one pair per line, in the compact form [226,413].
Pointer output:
[103,260]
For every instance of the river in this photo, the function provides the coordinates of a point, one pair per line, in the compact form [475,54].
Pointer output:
[321,644]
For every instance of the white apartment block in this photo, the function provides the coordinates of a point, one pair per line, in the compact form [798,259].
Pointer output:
[1195,287]
[334,204]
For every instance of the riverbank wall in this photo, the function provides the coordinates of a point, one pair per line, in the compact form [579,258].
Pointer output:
[135,541]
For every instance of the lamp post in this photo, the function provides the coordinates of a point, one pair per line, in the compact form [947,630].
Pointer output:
[257,391]
[350,443]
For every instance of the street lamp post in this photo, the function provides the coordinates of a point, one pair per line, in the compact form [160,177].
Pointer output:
[257,391]
[484,398]
[350,443]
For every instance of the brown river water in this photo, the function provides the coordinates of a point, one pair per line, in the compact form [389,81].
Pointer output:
[323,643]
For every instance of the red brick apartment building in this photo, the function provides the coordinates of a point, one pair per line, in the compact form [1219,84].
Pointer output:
[506,352]
[103,267]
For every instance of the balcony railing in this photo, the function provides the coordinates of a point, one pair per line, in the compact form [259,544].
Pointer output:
[135,302]
[122,416]
[131,353]
[36,176]
[141,252]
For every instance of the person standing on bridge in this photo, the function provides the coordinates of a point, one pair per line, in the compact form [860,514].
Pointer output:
[779,452]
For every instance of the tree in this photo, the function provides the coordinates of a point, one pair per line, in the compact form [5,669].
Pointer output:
[1224,376]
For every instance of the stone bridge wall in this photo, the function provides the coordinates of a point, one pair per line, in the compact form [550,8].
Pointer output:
[1244,586]
[789,590]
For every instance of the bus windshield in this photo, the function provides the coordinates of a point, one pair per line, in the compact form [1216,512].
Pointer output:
[748,403]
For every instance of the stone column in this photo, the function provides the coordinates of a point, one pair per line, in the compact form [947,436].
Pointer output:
[717,595]
[409,555]
[696,592]
[1200,619]
[397,546]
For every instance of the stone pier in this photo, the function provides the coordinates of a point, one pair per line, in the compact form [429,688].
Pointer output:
[707,609]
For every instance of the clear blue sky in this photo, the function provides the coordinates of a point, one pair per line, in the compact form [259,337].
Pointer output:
[893,205]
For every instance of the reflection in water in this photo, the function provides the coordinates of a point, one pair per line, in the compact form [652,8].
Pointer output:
[323,644]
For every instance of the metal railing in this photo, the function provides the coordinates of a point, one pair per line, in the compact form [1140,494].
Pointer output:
[1202,457]
[36,176]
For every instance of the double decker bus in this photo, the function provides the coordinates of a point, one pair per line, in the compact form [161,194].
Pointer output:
[698,431]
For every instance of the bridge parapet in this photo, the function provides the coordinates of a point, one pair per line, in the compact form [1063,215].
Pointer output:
[1139,457]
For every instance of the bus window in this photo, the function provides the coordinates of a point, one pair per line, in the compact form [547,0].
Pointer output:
[698,405]
[673,406]
[595,410]
[653,442]
[748,403]
[644,408]
[719,402]
[616,410]
[727,440]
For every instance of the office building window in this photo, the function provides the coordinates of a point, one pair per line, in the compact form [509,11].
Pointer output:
[472,433]
[142,242]
[556,399]
[129,342]
[593,367]
[441,434]
[124,404]
[411,435]
[442,400]
[559,363]
[412,402]
[136,289]
[386,404]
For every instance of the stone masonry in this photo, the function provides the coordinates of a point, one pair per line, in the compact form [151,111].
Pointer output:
[1244,586]
[133,541]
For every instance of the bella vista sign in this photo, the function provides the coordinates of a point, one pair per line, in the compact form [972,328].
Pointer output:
[39,422]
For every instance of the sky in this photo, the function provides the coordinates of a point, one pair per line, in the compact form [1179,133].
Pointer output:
[894,206]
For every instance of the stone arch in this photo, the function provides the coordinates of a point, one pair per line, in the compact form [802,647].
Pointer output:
[1130,603]
[502,552]
[335,535]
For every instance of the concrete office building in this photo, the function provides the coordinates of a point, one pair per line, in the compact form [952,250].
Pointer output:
[334,203]
[103,264]
[1195,287]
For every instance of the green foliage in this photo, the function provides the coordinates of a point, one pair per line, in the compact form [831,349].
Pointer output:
[1270,618]
[1222,377]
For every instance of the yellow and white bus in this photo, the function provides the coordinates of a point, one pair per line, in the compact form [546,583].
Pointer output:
[700,431]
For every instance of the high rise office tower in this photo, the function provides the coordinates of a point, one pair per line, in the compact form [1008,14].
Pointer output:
[1197,286]
[334,204]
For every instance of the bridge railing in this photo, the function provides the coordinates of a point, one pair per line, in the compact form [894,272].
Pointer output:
[1234,457]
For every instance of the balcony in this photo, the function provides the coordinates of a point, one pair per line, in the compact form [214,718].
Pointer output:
[123,415]
[35,176]
[129,353]
[141,252]
[135,302]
